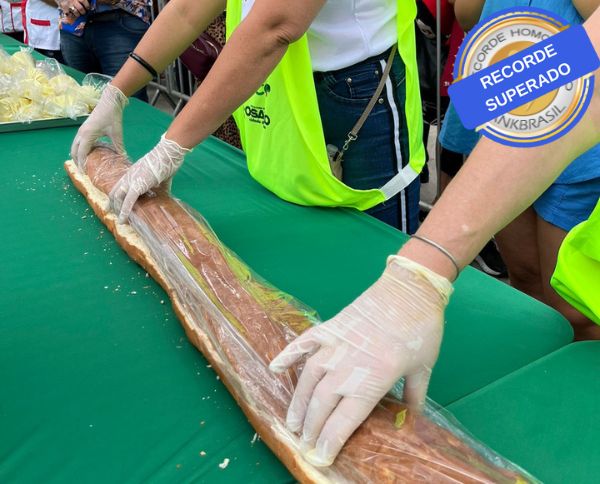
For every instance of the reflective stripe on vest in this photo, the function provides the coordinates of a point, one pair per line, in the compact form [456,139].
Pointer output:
[282,135]
[577,274]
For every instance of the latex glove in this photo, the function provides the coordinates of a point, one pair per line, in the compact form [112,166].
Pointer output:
[393,330]
[155,168]
[105,120]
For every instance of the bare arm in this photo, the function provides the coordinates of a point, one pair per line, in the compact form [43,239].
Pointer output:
[497,183]
[252,52]
[586,7]
[467,12]
[177,26]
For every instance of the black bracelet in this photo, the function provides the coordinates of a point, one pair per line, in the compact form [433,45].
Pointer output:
[144,64]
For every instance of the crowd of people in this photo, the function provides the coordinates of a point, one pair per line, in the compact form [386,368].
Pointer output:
[357,82]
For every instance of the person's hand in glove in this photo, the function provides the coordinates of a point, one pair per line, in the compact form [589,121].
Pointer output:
[393,330]
[155,168]
[105,120]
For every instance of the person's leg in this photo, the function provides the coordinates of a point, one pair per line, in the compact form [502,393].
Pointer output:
[424,175]
[401,211]
[15,35]
[113,42]
[77,53]
[559,209]
[450,163]
[550,238]
[52,54]
[518,244]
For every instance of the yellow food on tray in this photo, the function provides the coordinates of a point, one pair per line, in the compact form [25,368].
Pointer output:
[31,90]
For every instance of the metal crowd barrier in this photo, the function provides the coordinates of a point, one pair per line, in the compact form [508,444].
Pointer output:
[176,84]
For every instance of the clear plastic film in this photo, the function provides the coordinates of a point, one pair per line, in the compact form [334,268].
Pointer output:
[243,323]
[31,90]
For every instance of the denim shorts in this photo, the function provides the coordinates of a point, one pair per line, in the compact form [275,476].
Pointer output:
[568,204]
[382,145]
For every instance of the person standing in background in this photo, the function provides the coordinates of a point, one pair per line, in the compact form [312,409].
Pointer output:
[11,18]
[352,68]
[489,259]
[41,28]
[111,31]
[529,244]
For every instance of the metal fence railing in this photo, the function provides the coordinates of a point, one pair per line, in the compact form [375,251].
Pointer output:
[176,84]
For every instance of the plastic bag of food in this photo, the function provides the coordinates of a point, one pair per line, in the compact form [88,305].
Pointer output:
[22,59]
[50,67]
[5,62]
[9,107]
[31,90]
[241,323]
[91,88]
[96,80]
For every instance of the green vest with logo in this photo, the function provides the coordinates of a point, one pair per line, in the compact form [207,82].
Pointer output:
[282,135]
[577,274]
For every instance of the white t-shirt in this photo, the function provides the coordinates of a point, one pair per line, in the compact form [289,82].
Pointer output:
[11,16]
[346,32]
[349,31]
[42,25]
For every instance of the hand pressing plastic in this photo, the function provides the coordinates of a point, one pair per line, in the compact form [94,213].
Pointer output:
[393,330]
[106,120]
[155,168]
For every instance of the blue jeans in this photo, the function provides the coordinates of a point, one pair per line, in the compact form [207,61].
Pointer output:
[382,143]
[107,41]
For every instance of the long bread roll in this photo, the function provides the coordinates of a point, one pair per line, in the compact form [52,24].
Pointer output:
[240,323]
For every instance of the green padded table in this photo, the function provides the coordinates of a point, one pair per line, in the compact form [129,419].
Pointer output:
[544,416]
[99,383]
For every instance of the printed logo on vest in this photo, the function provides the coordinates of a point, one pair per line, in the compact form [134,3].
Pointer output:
[523,77]
[264,90]
[257,114]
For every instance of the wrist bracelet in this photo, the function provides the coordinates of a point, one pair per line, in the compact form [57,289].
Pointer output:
[441,249]
[144,64]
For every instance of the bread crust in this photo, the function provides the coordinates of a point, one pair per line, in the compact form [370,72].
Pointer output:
[264,320]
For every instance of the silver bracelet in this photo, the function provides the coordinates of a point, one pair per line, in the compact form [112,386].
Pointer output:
[441,249]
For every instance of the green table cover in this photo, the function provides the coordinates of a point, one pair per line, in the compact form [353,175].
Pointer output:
[544,416]
[99,383]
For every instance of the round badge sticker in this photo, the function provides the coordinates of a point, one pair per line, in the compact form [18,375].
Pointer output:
[497,41]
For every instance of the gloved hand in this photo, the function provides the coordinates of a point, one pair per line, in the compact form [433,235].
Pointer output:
[155,168]
[393,330]
[105,120]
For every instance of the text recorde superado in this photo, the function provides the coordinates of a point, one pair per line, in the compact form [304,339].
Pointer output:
[530,85]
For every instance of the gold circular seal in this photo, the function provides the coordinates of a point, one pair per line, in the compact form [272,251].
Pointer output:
[503,38]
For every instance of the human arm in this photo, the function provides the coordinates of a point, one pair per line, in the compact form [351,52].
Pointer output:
[395,327]
[74,8]
[159,47]
[251,53]
[586,7]
[175,28]
[463,220]
[468,12]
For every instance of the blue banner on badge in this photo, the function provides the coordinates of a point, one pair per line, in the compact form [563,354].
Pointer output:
[529,97]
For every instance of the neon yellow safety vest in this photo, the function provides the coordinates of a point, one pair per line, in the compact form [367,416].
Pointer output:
[282,134]
[577,274]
